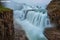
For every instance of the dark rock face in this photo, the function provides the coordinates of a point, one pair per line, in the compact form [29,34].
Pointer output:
[8,29]
[54,12]
[52,34]
[54,15]
[6,25]
[20,35]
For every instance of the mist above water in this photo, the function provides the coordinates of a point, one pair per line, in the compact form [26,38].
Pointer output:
[33,21]
[31,16]
[18,4]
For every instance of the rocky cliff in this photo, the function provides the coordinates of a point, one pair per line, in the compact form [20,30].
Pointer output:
[6,24]
[9,30]
[54,15]
[54,11]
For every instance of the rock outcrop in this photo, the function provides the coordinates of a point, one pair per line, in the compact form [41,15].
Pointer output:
[54,15]
[6,24]
[54,12]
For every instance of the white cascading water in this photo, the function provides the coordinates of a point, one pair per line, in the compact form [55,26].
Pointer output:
[34,23]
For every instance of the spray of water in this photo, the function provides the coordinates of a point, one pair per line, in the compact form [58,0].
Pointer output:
[32,19]
[33,22]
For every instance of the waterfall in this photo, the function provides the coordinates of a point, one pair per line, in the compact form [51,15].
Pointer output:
[34,23]
[31,17]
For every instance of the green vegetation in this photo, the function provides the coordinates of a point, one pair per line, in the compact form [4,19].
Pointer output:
[4,9]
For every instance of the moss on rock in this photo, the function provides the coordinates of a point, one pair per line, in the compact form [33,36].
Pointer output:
[4,9]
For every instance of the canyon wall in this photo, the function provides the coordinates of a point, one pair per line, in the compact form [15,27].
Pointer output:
[54,12]
[54,15]
[6,24]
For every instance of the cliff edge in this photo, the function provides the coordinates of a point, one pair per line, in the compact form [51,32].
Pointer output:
[6,24]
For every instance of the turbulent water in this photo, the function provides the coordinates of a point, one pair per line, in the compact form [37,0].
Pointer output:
[32,18]
[33,21]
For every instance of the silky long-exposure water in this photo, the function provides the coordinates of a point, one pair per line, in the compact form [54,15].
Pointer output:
[33,22]
[32,18]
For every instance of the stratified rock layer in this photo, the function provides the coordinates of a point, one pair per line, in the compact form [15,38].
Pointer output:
[54,15]
[6,24]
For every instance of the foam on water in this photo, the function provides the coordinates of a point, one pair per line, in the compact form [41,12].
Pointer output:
[34,23]
[31,17]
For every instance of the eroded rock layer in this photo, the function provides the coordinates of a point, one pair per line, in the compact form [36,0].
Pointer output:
[6,24]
